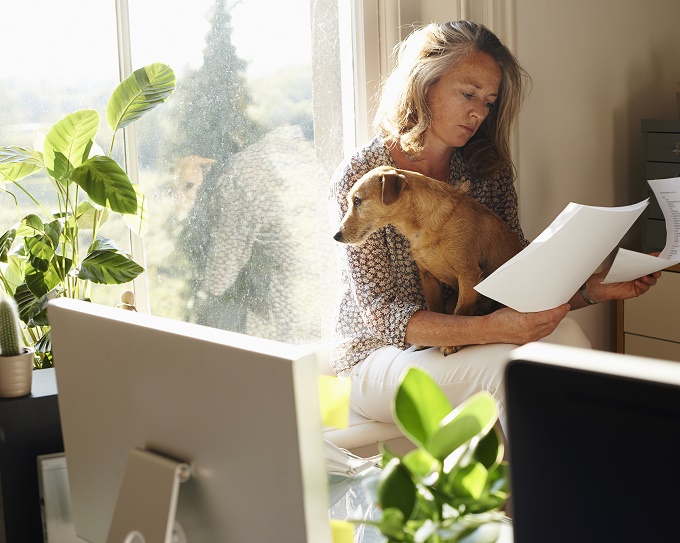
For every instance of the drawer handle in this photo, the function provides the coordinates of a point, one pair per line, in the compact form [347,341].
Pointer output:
[676,151]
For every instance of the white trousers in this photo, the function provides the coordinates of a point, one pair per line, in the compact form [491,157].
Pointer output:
[460,375]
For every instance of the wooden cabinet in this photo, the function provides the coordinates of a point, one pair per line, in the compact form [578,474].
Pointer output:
[650,325]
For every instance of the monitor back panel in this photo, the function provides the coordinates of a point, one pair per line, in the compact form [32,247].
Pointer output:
[594,457]
[242,411]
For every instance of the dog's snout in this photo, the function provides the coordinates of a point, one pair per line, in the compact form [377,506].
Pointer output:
[338,235]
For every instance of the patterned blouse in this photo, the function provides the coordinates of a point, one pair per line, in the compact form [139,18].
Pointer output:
[380,287]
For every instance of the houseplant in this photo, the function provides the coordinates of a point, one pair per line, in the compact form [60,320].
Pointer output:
[16,361]
[62,252]
[452,486]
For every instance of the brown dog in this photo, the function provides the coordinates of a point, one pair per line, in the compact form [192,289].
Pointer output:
[454,239]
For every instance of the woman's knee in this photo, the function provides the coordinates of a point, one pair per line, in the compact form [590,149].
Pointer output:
[569,333]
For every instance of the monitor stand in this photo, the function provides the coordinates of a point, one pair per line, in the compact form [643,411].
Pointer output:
[147,499]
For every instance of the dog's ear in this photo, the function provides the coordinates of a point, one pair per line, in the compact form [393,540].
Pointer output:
[392,183]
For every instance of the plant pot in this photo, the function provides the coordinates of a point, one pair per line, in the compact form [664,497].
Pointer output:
[16,374]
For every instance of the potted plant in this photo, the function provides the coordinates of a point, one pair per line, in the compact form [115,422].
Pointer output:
[61,252]
[16,361]
[453,485]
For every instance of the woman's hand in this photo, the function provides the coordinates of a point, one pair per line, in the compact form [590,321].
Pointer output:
[510,326]
[600,292]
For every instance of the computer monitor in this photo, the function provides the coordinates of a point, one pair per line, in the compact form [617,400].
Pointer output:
[243,412]
[594,446]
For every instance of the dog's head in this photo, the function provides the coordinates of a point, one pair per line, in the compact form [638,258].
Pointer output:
[370,204]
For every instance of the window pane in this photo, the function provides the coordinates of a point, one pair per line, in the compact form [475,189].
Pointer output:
[236,164]
[58,58]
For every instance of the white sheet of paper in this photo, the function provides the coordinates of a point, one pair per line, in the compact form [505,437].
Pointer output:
[629,265]
[551,269]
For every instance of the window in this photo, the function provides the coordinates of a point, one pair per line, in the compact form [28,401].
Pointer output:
[235,165]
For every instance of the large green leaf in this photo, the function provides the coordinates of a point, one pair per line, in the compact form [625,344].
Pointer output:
[419,406]
[107,184]
[108,267]
[14,272]
[44,344]
[6,241]
[420,463]
[41,282]
[396,489]
[32,309]
[68,142]
[40,251]
[30,225]
[86,214]
[473,418]
[490,449]
[470,481]
[41,247]
[140,92]
[19,162]
[26,302]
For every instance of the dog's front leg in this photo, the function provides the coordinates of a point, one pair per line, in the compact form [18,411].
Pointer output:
[434,296]
[433,291]
[467,295]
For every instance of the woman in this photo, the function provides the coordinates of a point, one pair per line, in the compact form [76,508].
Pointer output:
[447,112]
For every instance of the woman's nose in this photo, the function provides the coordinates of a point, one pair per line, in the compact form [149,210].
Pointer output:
[478,110]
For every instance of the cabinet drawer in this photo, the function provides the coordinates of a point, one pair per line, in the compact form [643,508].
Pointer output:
[662,170]
[657,313]
[653,210]
[661,147]
[655,235]
[653,348]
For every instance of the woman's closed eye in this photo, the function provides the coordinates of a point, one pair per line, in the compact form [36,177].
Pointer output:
[471,96]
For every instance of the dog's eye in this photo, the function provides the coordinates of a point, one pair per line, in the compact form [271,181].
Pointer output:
[356,201]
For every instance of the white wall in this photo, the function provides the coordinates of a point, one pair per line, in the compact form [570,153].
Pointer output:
[598,67]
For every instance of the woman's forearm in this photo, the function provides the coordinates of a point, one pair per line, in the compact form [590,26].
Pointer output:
[427,328]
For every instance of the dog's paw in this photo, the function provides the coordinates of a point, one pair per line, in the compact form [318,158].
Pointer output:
[446,351]
[420,347]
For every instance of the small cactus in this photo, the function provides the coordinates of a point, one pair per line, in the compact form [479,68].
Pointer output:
[11,343]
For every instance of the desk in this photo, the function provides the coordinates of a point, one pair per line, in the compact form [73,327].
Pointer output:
[351,499]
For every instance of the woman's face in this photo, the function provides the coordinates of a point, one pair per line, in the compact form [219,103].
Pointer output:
[460,101]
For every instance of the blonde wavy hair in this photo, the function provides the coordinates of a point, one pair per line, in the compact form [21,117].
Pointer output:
[404,114]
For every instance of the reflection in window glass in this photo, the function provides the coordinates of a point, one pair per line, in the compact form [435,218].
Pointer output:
[236,163]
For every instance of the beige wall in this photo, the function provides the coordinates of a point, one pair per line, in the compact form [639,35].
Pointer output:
[598,67]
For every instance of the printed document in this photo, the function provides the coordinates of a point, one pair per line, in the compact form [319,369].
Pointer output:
[629,265]
[553,267]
